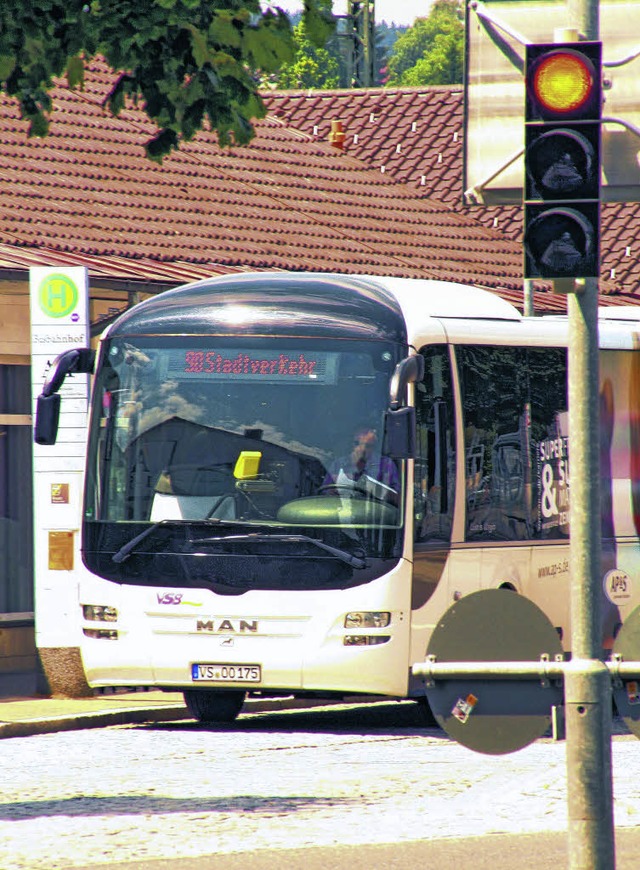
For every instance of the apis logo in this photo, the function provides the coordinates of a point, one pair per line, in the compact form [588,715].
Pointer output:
[222,626]
[618,586]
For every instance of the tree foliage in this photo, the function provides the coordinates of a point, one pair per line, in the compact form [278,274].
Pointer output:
[432,51]
[187,62]
[312,65]
[386,37]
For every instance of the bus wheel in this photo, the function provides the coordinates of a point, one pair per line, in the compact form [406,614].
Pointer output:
[213,706]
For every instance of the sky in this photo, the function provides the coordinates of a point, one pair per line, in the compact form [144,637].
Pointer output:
[397,11]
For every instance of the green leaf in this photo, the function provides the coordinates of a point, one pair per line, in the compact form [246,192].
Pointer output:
[39,125]
[116,96]
[318,22]
[75,71]
[243,131]
[199,45]
[211,76]
[164,143]
[267,49]
[7,66]
[223,30]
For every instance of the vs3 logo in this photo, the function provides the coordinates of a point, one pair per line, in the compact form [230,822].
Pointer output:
[175,598]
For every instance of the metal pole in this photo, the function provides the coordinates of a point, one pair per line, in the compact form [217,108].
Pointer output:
[528,310]
[587,684]
[367,48]
[542,670]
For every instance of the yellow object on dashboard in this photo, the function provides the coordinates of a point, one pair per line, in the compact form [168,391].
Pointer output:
[247,465]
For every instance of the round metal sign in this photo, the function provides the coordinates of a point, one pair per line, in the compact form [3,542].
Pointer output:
[626,692]
[493,715]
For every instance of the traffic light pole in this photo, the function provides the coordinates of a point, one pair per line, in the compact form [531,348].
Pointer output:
[587,684]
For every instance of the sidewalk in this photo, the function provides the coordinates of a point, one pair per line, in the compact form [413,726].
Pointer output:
[23,712]
[22,717]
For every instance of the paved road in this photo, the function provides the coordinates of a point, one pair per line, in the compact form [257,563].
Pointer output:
[325,786]
[506,851]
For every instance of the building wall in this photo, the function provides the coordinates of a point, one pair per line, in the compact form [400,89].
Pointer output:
[17,645]
[14,323]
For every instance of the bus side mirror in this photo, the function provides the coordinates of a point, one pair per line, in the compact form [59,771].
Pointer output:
[47,419]
[400,422]
[400,433]
[78,360]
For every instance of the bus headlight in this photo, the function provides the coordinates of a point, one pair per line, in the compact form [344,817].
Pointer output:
[100,633]
[367,619]
[99,613]
[366,639]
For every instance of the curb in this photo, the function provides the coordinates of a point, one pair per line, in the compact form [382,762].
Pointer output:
[140,715]
[81,721]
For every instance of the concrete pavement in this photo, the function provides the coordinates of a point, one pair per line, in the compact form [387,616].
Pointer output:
[540,851]
[23,712]
[23,716]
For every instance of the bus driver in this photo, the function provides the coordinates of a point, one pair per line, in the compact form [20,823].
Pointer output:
[363,468]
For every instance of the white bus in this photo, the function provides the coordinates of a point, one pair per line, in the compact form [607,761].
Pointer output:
[292,476]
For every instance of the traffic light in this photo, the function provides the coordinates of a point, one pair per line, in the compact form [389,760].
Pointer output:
[562,160]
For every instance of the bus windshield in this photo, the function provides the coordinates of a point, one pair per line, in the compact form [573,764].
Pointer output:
[207,452]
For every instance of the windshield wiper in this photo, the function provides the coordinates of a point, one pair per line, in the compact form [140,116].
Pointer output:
[343,555]
[125,551]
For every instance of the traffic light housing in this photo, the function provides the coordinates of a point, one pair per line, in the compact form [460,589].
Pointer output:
[563,109]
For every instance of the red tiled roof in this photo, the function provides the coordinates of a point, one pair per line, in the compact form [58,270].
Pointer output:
[283,202]
[416,134]
[289,200]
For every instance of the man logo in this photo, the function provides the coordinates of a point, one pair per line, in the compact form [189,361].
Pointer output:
[214,626]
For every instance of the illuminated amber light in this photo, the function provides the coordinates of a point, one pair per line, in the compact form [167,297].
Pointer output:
[563,82]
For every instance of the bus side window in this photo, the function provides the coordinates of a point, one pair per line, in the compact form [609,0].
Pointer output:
[434,481]
[514,405]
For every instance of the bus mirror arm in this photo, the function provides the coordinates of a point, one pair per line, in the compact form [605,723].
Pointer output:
[408,371]
[80,360]
[400,422]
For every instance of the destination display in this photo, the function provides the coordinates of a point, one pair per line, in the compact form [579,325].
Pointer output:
[239,364]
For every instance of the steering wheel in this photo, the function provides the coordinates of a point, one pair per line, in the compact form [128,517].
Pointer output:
[341,487]
[352,491]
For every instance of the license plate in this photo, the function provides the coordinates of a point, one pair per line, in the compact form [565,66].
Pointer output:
[221,673]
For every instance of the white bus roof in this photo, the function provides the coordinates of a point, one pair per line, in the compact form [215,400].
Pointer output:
[625,312]
[421,298]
